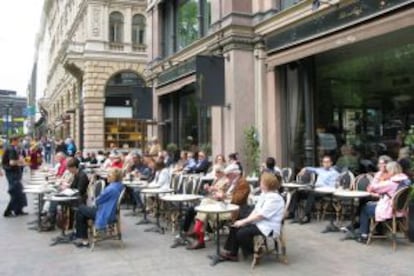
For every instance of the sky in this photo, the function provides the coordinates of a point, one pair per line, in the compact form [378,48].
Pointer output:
[19,23]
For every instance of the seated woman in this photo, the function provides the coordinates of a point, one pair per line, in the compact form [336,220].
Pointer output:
[215,193]
[382,209]
[265,219]
[105,210]
[237,191]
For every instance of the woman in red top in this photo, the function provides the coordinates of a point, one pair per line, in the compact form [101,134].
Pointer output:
[117,162]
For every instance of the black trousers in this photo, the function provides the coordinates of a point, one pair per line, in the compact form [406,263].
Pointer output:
[310,198]
[241,237]
[18,199]
[84,213]
[189,216]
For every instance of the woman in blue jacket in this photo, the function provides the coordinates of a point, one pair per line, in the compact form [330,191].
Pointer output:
[103,213]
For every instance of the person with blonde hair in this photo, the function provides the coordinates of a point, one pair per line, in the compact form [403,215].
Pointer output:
[265,219]
[105,210]
[382,209]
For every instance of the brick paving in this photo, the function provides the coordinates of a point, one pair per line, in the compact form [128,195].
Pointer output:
[27,252]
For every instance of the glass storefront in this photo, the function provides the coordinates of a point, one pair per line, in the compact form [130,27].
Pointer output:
[353,103]
[183,118]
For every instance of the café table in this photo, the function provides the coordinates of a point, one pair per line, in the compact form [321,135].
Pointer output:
[38,190]
[135,183]
[156,192]
[66,203]
[291,188]
[328,191]
[180,199]
[217,209]
[352,195]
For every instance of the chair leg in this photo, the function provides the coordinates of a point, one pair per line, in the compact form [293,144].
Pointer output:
[93,240]
[372,227]
[280,246]
[394,233]
[258,246]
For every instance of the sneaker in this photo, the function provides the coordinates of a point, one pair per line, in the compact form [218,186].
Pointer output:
[207,238]
[362,239]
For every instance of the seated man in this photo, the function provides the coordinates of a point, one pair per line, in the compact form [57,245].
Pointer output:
[327,176]
[105,210]
[79,182]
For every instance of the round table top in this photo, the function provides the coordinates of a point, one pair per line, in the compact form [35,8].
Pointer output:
[181,197]
[63,198]
[38,181]
[352,194]
[135,182]
[156,191]
[294,185]
[217,208]
[35,191]
[252,179]
[325,190]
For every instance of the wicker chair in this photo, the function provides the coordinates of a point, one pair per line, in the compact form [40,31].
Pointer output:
[113,230]
[400,203]
[261,243]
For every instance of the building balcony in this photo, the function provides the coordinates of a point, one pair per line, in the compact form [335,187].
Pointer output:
[116,46]
[139,47]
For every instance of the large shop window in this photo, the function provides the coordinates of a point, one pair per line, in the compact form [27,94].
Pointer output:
[183,22]
[362,103]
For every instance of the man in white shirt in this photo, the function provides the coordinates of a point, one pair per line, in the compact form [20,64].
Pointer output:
[327,177]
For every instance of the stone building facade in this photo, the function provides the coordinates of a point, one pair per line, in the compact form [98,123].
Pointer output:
[83,45]
[313,77]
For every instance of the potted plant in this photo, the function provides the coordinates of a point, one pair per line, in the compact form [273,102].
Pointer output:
[251,150]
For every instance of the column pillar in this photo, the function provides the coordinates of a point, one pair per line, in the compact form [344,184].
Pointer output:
[93,131]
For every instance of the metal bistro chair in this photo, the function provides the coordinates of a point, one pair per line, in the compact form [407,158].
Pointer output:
[113,230]
[345,181]
[287,174]
[399,220]
[261,243]
[362,182]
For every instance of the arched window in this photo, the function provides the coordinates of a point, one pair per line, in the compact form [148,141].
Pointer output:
[138,29]
[116,25]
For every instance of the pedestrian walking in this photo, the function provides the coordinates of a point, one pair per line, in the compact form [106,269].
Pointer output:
[13,163]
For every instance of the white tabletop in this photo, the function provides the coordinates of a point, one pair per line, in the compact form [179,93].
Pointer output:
[135,182]
[252,179]
[157,191]
[325,190]
[294,185]
[34,191]
[181,197]
[217,208]
[351,194]
[63,198]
